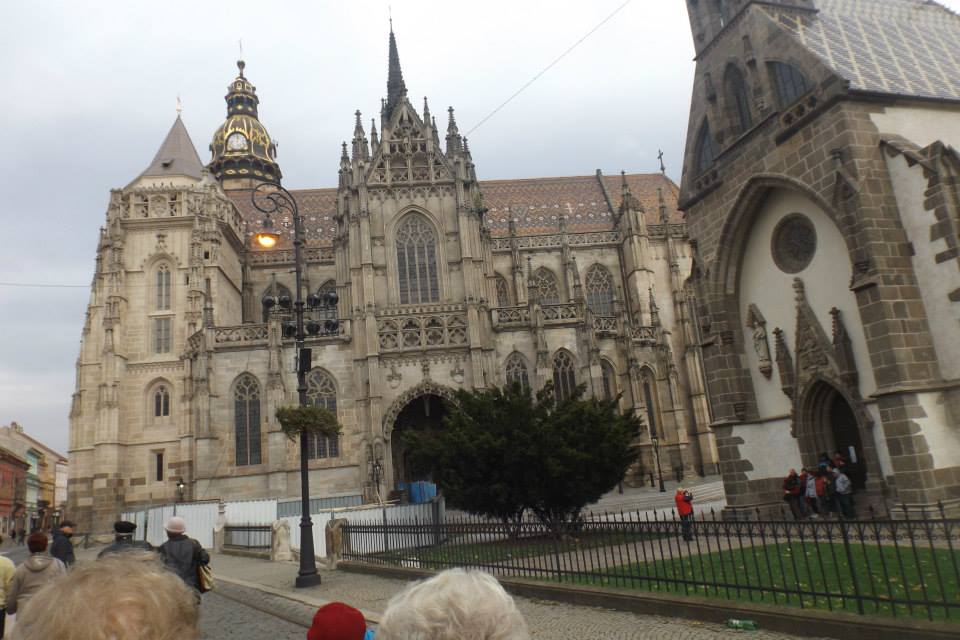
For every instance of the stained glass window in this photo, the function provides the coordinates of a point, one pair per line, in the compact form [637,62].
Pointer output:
[417,261]
[706,152]
[544,287]
[564,375]
[737,99]
[516,370]
[246,398]
[599,290]
[790,83]
[322,392]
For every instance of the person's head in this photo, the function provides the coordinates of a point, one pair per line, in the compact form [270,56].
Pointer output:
[337,621]
[37,542]
[123,528]
[175,526]
[66,528]
[453,604]
[793,472]
[129,595]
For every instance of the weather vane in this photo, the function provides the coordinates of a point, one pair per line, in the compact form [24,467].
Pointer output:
[179,105]
[663,169]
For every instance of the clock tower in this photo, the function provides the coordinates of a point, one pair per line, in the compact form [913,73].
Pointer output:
[243,154]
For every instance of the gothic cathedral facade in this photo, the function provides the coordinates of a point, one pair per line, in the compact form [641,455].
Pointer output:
[820,187]
[443,282]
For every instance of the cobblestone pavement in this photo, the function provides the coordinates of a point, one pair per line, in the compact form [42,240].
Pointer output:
[546,619]
[224,619]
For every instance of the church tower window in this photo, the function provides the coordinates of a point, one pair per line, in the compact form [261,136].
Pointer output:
[246,399]
[161,402]
[322,392]
[599,290]
[737,99]
[162,335]
[790,82]
[417,261]
[705,150]
[544,287]
[516,371]
[163,288]
[564,376]
[609,379]
[503,292]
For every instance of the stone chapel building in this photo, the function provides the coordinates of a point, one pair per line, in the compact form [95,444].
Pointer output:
[821,191]
[444,282]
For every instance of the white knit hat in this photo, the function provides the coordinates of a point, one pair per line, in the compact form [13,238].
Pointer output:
[176,524]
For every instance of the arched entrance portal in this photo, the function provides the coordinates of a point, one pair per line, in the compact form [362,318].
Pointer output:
[833,426]
[423,413]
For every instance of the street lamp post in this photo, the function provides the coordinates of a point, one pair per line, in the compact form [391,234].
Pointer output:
[656,452]
[270,198]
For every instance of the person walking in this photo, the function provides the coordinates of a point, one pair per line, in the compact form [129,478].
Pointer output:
[791,494]
[684,502]
[124,541]
[33,574]
[6,579]
[810,493]
[181,554]
[62,548]
[21,537]
[843,491]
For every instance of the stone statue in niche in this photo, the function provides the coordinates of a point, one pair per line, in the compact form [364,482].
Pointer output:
[758,326]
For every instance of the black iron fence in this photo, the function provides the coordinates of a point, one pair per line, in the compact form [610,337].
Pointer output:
[907,567]
[256,537]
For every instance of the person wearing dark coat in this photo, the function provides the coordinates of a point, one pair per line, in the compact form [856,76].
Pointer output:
[181,554]
[62,548]
[124,540]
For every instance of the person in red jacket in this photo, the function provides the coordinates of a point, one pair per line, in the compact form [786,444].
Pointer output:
[684,500]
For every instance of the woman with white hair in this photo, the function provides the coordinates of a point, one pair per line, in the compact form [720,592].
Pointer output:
[453,605]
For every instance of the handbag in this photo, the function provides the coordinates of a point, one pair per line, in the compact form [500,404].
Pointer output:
[204,578]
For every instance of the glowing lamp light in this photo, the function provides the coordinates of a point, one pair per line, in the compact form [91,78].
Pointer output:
[267,238]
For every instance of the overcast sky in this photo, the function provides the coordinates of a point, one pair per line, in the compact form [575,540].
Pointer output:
[91,87]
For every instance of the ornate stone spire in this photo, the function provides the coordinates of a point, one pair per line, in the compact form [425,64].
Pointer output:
[396,88]
[374,137]
[360,149]
[454,141]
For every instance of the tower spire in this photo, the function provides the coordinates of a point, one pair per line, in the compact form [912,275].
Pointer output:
[396,89]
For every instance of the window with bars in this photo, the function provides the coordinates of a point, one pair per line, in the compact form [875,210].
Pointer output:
[599,290]
[161,402]
[516,371]
[417,261]
[737,99]
[246,399]
[503,292]
[162,342]
[790,82]
[278,291]
[564,376]
[706,151]
[544,286]
[163,285]
[322,392]
[609,379]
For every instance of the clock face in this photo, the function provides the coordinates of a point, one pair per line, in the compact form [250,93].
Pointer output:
[236,142]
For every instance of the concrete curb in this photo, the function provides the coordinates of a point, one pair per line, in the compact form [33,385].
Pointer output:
[804,622]
[370,616]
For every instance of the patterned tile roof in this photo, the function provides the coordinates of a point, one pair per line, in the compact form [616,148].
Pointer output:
[904,47]
[535,203]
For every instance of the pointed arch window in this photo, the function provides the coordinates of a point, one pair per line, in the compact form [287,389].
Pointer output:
[278,291]
[516,371]
[723,8]
[564,376]
[328,287]
[649,386]
[705,149]
[417,261]
[246,420]
[737,99]
[599,290]
[790,82]
[161,402]
[543,285]
[322,392]
[503,292]
[163,286]
[609,379]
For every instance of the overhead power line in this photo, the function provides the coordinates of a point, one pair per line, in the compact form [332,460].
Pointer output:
[548,67]
[44,285]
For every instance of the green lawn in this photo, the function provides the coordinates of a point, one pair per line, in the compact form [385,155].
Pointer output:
[822,570]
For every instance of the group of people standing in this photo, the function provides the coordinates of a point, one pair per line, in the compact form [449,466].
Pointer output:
[820,492]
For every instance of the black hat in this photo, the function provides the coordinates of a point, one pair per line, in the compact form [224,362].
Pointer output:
[122,526]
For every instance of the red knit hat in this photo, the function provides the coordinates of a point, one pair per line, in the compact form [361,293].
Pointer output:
[337,621]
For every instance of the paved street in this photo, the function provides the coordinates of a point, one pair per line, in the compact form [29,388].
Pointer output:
[224,619]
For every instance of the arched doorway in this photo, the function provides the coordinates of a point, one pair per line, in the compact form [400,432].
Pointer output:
[832,426]
[423,413]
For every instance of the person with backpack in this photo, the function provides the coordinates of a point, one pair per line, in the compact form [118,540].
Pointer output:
[792,494]
[182,555]
[684,502]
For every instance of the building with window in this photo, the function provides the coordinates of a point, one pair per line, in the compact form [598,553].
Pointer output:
[37,488]
[443,281]
[820,188]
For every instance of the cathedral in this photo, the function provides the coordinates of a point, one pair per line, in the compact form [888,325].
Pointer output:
[820,187]
[442,282]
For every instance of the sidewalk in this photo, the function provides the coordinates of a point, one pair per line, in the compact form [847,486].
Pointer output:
[239,577]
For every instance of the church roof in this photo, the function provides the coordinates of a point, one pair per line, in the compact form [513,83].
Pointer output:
[535,203]
[176,157]
[902,47]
